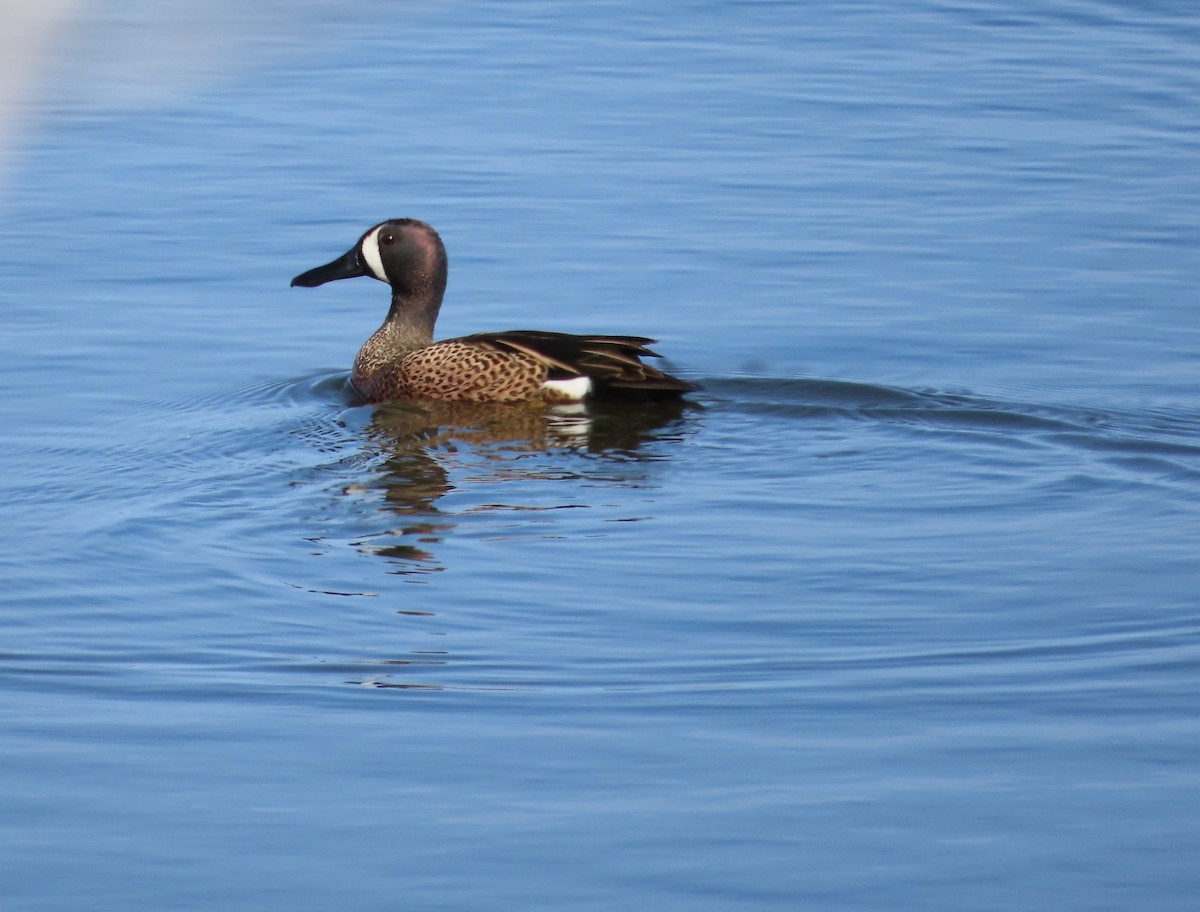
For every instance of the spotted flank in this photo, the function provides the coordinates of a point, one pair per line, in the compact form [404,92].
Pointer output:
[401,360]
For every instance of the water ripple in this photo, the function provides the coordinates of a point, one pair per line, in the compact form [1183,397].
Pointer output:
[1162,437]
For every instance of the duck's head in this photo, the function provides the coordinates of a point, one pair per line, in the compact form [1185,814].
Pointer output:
[405,253]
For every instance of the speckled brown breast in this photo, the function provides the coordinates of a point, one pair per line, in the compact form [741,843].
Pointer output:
[456,370]
[461,370]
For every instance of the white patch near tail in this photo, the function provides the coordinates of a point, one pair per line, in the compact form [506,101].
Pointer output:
[370,254]
[572,390]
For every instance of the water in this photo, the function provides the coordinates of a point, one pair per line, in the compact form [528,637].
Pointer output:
[899,612]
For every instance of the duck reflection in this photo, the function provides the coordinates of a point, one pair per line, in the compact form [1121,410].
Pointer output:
[421,444]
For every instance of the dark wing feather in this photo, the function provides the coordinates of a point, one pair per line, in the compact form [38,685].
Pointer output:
[612,362]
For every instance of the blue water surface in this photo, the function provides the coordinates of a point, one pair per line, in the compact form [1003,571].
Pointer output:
[902,611]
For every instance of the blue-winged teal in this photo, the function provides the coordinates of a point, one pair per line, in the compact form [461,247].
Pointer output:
[401,360]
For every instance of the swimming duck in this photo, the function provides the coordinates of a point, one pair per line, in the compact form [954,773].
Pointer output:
[401,360]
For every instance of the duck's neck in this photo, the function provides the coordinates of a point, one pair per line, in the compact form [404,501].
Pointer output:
[409,326]
[411,319]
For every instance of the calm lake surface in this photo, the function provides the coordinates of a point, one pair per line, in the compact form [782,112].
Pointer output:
[901,612]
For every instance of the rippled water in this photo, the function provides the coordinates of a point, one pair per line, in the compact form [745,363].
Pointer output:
[900,611]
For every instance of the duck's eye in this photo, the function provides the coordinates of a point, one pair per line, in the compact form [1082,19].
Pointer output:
[387,240]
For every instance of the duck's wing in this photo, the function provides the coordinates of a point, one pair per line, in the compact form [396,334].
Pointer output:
[613,364]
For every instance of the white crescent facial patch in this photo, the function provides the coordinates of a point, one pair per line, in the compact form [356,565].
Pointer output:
[370,254]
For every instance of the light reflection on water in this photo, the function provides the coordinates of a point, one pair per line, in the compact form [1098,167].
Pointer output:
[417,446]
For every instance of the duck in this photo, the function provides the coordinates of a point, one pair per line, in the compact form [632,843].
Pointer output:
[402,361]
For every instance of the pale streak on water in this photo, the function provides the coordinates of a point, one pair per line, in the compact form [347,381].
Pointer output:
[900,612]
